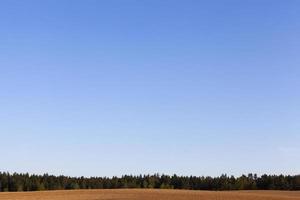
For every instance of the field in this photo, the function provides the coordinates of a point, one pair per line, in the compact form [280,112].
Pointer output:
[139,194]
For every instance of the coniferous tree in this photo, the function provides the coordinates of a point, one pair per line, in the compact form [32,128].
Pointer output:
[26,182]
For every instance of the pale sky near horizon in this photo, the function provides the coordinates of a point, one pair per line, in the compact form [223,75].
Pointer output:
[103,88]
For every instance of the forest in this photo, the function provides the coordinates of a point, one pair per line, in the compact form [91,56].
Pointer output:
[30,182]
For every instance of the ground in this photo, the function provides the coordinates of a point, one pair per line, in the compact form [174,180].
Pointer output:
[142,194]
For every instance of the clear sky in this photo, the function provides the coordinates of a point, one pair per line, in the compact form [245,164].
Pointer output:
[102,88]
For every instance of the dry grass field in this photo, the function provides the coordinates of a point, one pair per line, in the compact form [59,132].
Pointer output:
[140,194]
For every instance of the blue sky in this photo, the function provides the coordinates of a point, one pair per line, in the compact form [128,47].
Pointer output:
[103,88]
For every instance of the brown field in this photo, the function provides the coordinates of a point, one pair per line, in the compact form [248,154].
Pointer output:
[140,194]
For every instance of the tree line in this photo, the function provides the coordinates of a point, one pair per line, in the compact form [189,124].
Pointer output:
[26,182]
